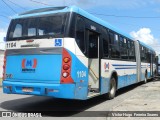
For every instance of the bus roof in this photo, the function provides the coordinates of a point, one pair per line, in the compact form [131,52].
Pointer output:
[150,48]
[52,10]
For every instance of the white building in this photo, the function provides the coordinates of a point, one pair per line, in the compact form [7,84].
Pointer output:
[1,62]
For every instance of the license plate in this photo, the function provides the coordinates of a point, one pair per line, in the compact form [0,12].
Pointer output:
[27,89]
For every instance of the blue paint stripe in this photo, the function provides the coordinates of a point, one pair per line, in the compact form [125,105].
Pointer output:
[125,68]
[121,65]
[127,65]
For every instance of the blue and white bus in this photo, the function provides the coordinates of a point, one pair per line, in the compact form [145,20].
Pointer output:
[65,52]
[158,64]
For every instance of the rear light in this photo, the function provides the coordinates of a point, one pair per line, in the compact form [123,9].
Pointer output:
[66,59]
[4,66]
[65,74]
[66,68]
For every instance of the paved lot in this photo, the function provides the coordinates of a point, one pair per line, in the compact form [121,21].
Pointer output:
[139,97]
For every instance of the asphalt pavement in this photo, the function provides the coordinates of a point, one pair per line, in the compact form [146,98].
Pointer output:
[138,97]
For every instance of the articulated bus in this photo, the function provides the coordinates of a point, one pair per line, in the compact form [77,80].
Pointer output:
[158,64]
[65,52]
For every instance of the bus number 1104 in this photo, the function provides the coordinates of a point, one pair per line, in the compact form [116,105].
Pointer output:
[81,74]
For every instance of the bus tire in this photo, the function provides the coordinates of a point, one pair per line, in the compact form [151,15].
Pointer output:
[155,73]
[145,79]
[112,89]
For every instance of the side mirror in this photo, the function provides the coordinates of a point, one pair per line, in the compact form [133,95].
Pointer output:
[4,39]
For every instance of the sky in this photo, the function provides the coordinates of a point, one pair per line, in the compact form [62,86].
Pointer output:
[139,18]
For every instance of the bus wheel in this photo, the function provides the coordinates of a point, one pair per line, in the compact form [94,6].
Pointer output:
[112,90]
[145,80]
[155,73]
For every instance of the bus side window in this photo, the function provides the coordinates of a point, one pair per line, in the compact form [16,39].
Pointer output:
[121,44]
[124,49]
[113,46]
[80,34]
[155,59]
[147,57]
[142,53]
[93,45]
[105,43]
[111,38]
[131,50]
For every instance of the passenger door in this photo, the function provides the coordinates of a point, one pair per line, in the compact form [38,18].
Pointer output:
[93,61]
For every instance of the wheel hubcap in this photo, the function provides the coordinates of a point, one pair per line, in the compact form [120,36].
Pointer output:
[112,88]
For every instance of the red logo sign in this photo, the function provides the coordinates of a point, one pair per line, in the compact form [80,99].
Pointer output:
[29,65]
[106,66]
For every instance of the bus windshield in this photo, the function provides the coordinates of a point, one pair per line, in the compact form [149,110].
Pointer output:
[36,28]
